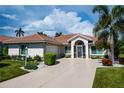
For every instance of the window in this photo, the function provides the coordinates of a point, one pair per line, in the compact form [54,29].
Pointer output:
[93,50]
[23,50]
[96,51]
[67,49]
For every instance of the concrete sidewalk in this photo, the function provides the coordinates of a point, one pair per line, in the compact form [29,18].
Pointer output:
[69,73]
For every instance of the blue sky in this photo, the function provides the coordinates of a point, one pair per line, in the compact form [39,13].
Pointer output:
[49,19]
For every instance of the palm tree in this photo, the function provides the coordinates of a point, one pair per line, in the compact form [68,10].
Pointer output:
[58,34]
[110,25]
[19,32]
[41,33]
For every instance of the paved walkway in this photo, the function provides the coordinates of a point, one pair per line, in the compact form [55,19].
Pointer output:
[69,73]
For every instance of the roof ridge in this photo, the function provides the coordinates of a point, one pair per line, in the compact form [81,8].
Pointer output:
[40,36]
[6,36]
[67,35]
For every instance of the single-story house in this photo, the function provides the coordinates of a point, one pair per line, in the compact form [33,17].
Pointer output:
[2,39]
[75,45]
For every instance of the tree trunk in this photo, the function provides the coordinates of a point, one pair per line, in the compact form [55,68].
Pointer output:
[112,50]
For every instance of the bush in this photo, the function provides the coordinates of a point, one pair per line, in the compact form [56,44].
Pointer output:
[96,56]
[106,62]
[30,58]
[121,56]
[6,57]
[5,50]
[49,58]
[37,58]
[68,55]
[31,65]
[106,56]
[16,57]
[0,57]
[121,49]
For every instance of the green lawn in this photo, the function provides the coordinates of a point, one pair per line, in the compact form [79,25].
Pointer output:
[111,77]
[10,69]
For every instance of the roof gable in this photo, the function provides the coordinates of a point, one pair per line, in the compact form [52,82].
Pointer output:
[66,38]
[79,35]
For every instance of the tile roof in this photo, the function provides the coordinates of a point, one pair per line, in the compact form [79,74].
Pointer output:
[32,39]
[36,38]
[65,38]
[4,38]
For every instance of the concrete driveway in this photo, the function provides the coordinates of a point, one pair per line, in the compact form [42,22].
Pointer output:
[69,73]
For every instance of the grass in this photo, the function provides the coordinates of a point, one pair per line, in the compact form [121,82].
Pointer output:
[112,77]
[10,69]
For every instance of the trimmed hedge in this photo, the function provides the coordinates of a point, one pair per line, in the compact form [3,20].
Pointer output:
[97,56]
[67,55]
[37,58]
[31,65]
[50,58]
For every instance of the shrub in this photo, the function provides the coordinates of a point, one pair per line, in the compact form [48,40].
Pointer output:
[121,56]
[96,56]
[121,50]
[5,50]
[30,58]
[68,56]
[37,58]
[16,57]
[6,57]
[106,56]
[49,58]
[31,65]
[0,57]
[106,62]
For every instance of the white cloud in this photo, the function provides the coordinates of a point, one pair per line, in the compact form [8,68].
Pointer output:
[32,25]
[8,28]
[61,21]
[12,17]
[84,27]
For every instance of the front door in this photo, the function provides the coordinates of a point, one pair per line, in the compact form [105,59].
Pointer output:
[79,51]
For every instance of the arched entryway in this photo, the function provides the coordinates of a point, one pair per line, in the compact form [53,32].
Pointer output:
[79,49]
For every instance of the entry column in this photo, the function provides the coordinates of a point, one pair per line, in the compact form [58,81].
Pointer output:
[87,52]
[72,50]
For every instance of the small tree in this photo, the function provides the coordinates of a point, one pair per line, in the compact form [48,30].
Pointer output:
[5,50]
[19,32]
[109,25]
[58,34]
[41,33]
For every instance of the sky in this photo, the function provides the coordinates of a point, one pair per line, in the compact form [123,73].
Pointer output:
[48,19]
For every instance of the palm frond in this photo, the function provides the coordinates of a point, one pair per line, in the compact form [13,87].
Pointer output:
[117,11]
[119,26]
[104,21]
[101,9]
[16,31]
[104,35]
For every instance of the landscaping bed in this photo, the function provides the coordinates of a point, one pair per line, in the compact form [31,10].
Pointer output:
[10,69]
[109,77]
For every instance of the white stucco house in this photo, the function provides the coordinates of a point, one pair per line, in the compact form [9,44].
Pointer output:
[75,45]
[2,39]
